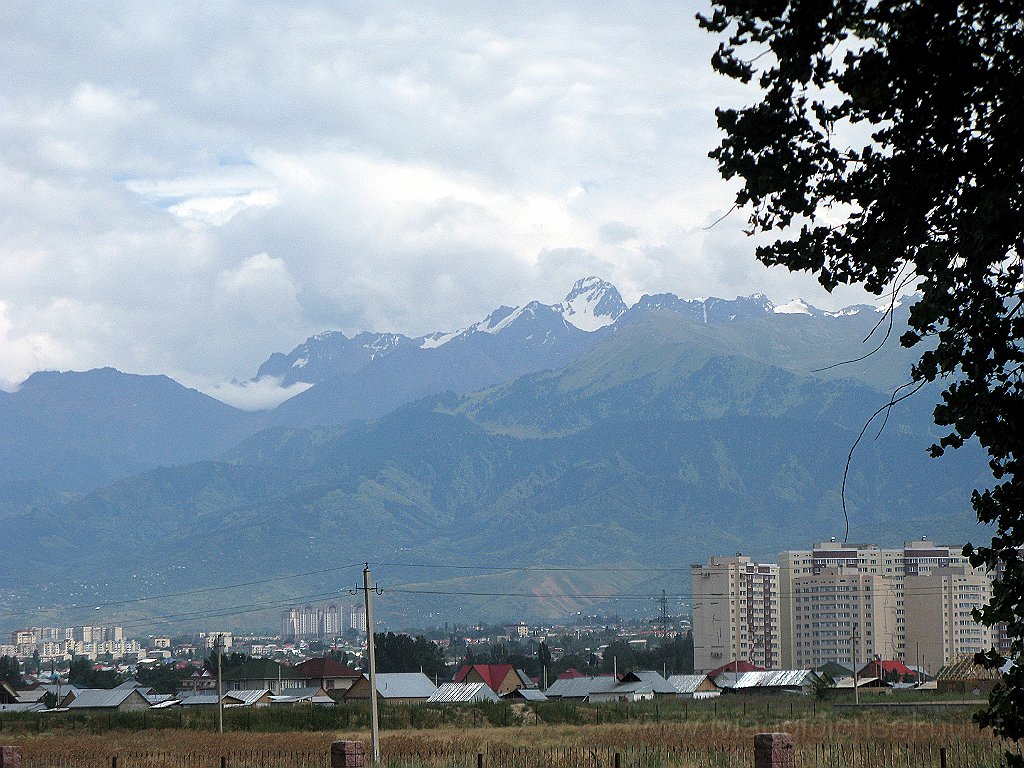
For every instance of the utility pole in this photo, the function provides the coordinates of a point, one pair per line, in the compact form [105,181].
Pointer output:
[664,614]
[371,659]
[220,685]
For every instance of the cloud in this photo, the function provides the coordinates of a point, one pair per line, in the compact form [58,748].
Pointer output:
[253,395]
[186,188]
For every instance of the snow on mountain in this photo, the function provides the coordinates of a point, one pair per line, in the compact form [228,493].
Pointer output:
[795,307]
[592,304]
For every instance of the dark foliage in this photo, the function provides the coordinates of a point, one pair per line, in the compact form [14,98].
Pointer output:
[10,671]
[673,656]
[82,674]
[932,196]
[402,653]
[162,678]
[227,661]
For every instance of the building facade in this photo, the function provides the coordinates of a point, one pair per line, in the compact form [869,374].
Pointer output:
[914,558]
[842,615]
[735,613]
[939,605]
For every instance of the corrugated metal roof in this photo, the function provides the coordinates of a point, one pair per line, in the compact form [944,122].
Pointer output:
[23,707]
[99,698]
[658,683]
[778,678]
[199,699]
[686,683]
[404,685]
[246,697]
[462,693]
[847,682]
[580,687]
[527,694]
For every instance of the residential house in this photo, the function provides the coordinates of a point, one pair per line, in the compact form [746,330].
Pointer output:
[256,697]
[526,694]
[7,693]
[500,678]
[769,681]
[117,700]
[199,681]
[394,687]
[694,686]
[890,670]
[327,673]
[966,678]
[462,693]
[632,686]
[202,699]
[311,695]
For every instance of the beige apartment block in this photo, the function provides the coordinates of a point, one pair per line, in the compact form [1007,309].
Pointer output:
[940,627]
[913,558]
[842,615]
[735,613]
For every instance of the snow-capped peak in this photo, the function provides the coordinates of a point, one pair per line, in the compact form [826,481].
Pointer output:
[592,304]
[795,307]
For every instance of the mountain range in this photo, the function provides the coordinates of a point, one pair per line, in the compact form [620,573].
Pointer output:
[587,434]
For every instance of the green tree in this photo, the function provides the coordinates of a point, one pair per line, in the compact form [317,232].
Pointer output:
[544,656]
[162,678]
[402,653]
[82,674]
[886,150]
[10,671]
[227,661]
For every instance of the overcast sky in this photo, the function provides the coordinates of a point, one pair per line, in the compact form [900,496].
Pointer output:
[186,188]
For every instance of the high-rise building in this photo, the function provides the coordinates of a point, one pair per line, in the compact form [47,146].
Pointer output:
[913,558]
[940,627]
[842,615]
[735,613]
[308,621]
[357,617]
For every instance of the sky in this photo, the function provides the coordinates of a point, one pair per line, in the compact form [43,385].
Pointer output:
[188,187]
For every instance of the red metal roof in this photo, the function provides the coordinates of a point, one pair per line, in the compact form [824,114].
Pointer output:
[887,668]
[492,674]
[571,674]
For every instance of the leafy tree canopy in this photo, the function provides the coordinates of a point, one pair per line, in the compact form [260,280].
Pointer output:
[402,653]
[163,678]
[932,195]
[10,671]
[82,674]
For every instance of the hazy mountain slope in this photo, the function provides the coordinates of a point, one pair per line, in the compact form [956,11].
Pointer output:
[79,431]
[704,454]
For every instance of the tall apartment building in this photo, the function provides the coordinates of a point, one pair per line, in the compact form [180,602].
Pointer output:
[735,613]
[357,617]
[938,607]
[914,558]
[843,615]
[311,621]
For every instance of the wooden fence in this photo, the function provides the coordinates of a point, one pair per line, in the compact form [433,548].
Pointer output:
[959,754]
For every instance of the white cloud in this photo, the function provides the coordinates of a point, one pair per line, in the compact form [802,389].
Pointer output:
[253,395]
[186,188]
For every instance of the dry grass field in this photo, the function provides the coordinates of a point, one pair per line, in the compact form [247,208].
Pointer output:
[865,741]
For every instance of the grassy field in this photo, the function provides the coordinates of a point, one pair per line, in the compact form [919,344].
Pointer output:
[669,735]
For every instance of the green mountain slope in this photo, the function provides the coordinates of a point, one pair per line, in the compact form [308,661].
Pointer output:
[657,448]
